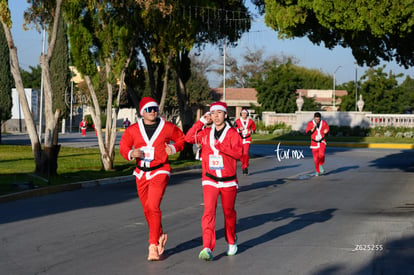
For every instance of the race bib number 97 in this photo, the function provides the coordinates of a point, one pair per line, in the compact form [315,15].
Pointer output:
[215,162]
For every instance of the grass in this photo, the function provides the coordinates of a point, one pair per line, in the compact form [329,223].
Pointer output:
[74,165]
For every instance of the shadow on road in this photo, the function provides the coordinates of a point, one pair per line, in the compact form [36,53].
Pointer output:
[396,258]
[64,202]
[403,160]
[300,221]
[261,184]
[342,169]
[274,169]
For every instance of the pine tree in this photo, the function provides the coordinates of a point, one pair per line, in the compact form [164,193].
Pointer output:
[59,70]
[6,82]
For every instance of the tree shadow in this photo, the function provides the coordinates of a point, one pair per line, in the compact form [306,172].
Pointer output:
[262,184]
[403,160]
[300,221]
[342,169]
[395,258]
[276,168]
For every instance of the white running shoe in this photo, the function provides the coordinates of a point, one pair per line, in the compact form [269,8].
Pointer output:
[232,248]
[206,254]
[321,169]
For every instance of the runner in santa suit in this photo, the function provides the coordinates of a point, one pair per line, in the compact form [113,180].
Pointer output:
[317,129]
[148,143]
[222,147]
[83,124]
[246,127]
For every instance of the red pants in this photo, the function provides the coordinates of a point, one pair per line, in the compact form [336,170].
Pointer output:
[150,193]
[245,157]
[319,156]
[83,132]
[208,222]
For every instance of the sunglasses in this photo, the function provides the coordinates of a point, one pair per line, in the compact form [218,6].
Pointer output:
[150,109]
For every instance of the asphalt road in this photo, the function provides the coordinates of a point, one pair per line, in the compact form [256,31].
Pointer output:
[355,219]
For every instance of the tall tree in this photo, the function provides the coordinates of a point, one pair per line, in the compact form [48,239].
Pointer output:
[5,81]
[45,159]
[60,73]
[33,78]
[276,87]
[381,92]
[374,30]
[240,72]
[167,31]
[102,37]
[407,95]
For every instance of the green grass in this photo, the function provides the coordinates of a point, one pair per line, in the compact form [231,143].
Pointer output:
[74,165]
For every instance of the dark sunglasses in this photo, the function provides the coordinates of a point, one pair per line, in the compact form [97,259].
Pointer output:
[150,109]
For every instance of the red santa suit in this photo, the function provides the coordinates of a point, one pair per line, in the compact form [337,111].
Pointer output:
[318,143]
[82,126]
[219,164]
[153,170]
[245,128]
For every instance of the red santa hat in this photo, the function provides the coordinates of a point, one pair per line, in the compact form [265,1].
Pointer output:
[145,103]
[244,111]
[221,106]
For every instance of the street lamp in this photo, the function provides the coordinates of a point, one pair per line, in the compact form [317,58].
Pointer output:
[356,87]
[334,83]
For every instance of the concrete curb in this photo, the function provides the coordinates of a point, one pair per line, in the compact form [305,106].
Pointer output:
[78,185]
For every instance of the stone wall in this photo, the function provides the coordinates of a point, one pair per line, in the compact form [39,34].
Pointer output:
[299,120]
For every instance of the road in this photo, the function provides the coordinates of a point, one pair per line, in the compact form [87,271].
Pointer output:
[356,219]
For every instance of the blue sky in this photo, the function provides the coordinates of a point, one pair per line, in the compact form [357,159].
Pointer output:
[29,45]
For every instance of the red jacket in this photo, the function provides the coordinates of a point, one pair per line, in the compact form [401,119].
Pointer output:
[227,150]
[83,124]
[317,136]
[136,137]
[245,128]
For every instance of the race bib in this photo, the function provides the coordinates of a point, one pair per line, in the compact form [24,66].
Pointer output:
[318,137]
[215,162]
[148,153]
[245,132]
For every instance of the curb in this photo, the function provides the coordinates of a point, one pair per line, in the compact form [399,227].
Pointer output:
[78,185]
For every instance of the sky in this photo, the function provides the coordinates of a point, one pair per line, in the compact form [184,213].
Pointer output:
[338,60]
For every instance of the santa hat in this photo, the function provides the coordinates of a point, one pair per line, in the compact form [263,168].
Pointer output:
[221,106]
[145,103]
[245,111]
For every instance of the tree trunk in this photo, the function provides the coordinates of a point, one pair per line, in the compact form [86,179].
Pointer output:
[186,116]
[165,86]
[15,70]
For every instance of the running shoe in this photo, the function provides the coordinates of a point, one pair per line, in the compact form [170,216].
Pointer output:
[206,254]
[321,169]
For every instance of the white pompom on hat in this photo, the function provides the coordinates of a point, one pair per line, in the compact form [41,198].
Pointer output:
[221,106]
[145,103]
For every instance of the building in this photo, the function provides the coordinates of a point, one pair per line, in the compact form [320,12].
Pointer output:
[236,99]
[17,123]
[326,99]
